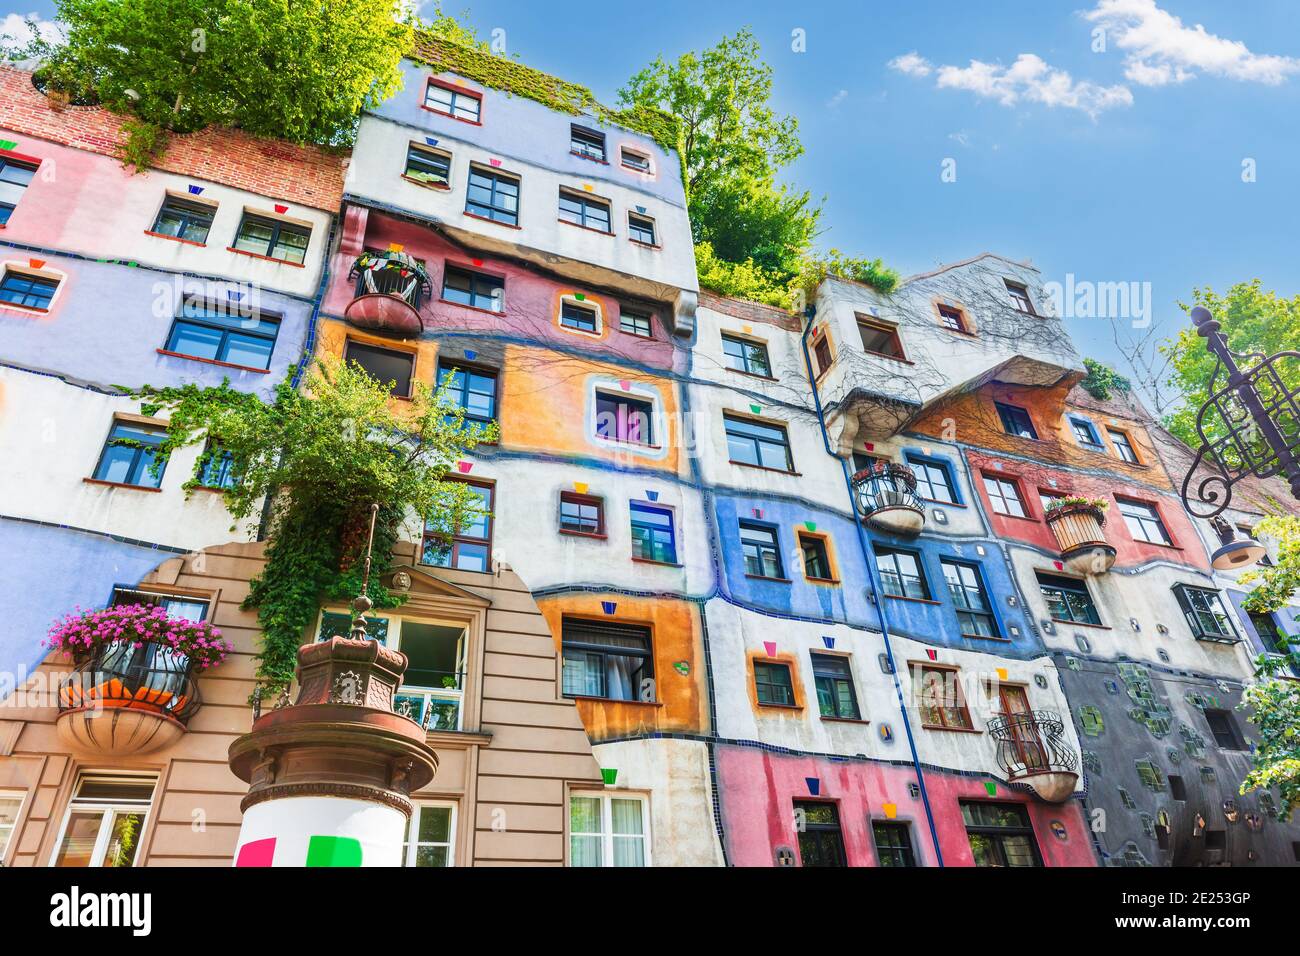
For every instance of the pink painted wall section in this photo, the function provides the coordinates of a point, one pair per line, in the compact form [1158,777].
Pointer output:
[758,790]
[532,301]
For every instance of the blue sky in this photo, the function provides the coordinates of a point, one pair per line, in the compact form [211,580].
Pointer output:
[1120,165]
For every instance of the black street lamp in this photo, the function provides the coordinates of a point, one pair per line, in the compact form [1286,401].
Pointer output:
[1250,425]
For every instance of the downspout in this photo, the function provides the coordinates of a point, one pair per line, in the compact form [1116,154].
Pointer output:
[870,563]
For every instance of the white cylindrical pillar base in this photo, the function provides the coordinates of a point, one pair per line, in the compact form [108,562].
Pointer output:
[320,831]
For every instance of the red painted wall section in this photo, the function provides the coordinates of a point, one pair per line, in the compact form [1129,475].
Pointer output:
[1031,477]
[308,175]
[532,301]
[758,790]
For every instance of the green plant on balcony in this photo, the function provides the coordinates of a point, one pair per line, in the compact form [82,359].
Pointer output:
[1068,503]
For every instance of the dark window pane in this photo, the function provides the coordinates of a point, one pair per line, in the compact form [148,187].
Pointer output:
[385,365]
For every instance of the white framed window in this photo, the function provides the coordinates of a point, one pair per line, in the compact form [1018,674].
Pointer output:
[105,820]
[11,805]
[609,829]
[433,826]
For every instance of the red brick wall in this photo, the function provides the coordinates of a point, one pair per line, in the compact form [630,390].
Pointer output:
[306,175]
[750,311]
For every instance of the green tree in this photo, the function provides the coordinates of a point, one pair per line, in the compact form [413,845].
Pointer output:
[1102,380]
[322,455]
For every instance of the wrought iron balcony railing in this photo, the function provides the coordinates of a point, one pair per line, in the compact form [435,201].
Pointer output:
[1033,751]
[145,677]
[887,499]
[390,286]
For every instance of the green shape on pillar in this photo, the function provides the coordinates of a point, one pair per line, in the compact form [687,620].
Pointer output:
[333,851]
[609,776]
[991,787]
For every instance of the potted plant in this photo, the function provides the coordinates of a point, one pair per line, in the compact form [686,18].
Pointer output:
[86,635]
[1074,504]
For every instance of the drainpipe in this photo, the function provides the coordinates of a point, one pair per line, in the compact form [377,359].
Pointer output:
[869,561]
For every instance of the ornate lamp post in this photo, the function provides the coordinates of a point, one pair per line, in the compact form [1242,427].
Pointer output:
[1250,424]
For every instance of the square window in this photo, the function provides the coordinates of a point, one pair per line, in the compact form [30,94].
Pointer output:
[893,843]
[387,366]
[273,238]
[587,143]
[1016,421]
[634,160]
[757,443]
[582,514]
[834,679]
[1001,834]
[1068,599]
[951,317]
[635,323]
[745,355]
[941,702]
[461,104]
[608,830]
[469,547]
[772,684]
[1085,434]
[184,219]
[1224,729]
[933,479]
[1177,788]
[901,573]
[1019,294]
[641,229]
[581,318]
[969,597]
[186,607]
[880,339]
[620,418]
[104,821]
[653,537]
[816,558]
[1004,496]
[1123,447]
[217,333]
[608,660]
[758,544]
[429,166]
[586,211]
[27,289]
[1143,521]
[434,827]
[473,389]
[474,289]
[128,455]
[14,180]
[493,195]
[820,842]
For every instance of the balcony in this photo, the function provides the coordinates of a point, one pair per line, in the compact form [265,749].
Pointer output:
[128,698]
[887,499]
[1034,753]
[1077,526]
[389,289]
[432,709]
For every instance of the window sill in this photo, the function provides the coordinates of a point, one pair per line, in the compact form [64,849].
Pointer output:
[458,119]
[893,358]
[948,328]
[495,222]
[574,330]
[764,577]
[29,309]
[986,637]
[601,536]
[575,225]
[845,720]
[904,597]
[258,255]
[954,730]
[741,371]
[1002,514]
[163,235]
[780,706]
[775,471]
[644,245]
[945,504]
[590,159]
[206,361]
[1156,544]
[615,700]
[120,484]
[630,445]
[425,184]
[825,582]
[476,308]
[1096,627]
[662,564]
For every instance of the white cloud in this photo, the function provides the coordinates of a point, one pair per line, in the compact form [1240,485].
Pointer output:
[14,26]
[1031,79]
[913,64]
[1161,50]
[837,99]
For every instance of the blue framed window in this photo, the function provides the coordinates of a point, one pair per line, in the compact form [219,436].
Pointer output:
[208,332]
[184,219]
[29,291]
[933,479]
[473,389]
[473,289]
[653,537]
[461,104]
[493,195]
[273,238]
[1016,421]
[1085,434]
[762,551]
[431,166]
[128,455]
[216,467]
[970,598]
[757,443]
[14,179]
[582,210]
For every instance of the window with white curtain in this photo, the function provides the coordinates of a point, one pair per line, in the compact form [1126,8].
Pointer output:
[608,830]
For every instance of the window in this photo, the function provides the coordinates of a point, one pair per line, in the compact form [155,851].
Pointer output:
[1019,294]
[863,461]
[272,238]
[772,684]
[461,104]
[219,334]
[586,211]
[29,291]
[1143,521]
[834,680]
[816,560]
[974,614]
[105,821]
[184,219]
[1016,421]
[822,353]
[387,366]
[623,419]
[582,514]
[641,229]
[901,573]
[14,179]
[1004,496]
[893,843]
[652,534]
[429,166]
[1000,834]
[745,355]
[1205,614]
[181,606]
[434,827]
[820,842]
[470,547]
[757,443]
[581,318]
[609,660]
[880,339]
[1177,788]
[473,289]
[635,323]
[1068,599]
[634,160]
[1085,434]
[762,556]
[493,195]
[941,702]
[10,805]
[1123,446]
[587,143]
[933,480]
[1269,634]
[473,389]
[216,468]
[951,317]
[608,830]
[128,455]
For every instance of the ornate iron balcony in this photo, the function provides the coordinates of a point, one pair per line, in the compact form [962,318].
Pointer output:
[887,499]
[1033,752]
[389,289]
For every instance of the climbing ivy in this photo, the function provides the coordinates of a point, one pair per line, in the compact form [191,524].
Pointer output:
[1102,380]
